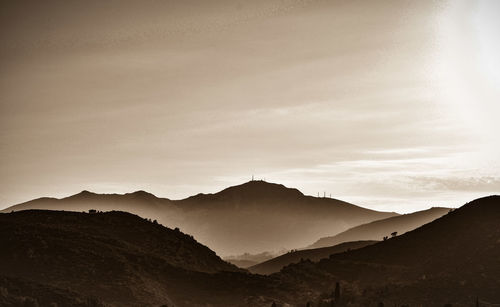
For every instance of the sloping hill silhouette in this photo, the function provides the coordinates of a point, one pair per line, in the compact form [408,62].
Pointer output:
[463,232]
[115,256]
[276,264]
[247,260]
[454,260]
[16,292]
[119,259]
[378,229]
[140,202]
[259,216]
[124,260]
[252,217]
[252,190]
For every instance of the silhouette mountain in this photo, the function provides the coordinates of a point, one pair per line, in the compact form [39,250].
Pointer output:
[252,217]
[247,260]
[259,216]
[58,258]
[381,228]
[15,292]
[115,256]
[139,202]
[252,190]
[119,259]
[452,260]
[276,264]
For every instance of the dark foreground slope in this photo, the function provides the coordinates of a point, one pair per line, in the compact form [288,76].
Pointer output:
[315,254]
[253,217]
[117,257]
[15,292]
[378,229]
[122,260]
[454,259]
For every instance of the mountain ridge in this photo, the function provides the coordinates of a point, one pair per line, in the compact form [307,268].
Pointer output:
[451,260]
[275,264]
[252,217]
[379,229]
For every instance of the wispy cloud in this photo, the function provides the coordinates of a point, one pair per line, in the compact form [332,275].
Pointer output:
[347,98]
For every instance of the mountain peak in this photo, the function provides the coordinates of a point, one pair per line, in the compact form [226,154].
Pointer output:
[84,194]
[255,190]
[261,189]
[142,194]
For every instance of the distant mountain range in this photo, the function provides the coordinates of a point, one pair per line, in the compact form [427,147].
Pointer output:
[383,228]
[453,260]
[119,259]
[353,238]
[247,260]
[276,264]
[253,217]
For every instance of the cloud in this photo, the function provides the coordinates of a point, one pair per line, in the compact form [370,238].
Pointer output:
[461,184]
[188,97]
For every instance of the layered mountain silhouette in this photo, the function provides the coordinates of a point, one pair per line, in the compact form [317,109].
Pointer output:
[452,260]
[60,258]
[276,264]
[253,217]
[119,259]
[247,260]
[140,202]
[383,228]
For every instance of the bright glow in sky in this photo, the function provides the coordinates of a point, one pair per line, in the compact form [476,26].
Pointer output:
[388,104]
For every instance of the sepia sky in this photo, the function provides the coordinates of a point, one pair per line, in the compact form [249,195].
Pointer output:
[391,105]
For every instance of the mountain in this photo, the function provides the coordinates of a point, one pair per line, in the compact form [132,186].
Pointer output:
[247,260]
[60,258]
[258,216]
[16,292]
[119,259]
[140,202]
[115,256]
[276,264]
[381,228]
[252,217]
[452,260]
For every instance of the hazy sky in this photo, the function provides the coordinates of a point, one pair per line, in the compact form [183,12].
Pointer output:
[392,105]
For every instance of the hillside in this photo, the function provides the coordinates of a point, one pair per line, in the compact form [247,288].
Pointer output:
[381,228]
[16,292]
[258,216]
[452,260]
[115,256]
[56,258]
[276,264]
[119,259]
[247,260]
[140,202]
[234,220]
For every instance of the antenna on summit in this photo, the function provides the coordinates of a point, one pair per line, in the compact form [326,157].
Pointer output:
[252,177]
